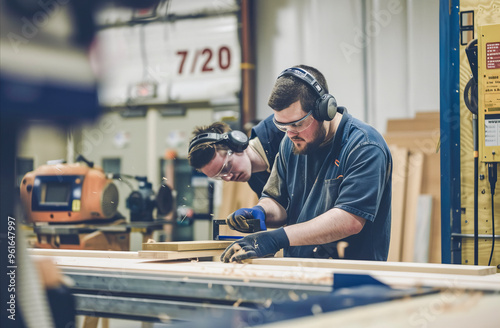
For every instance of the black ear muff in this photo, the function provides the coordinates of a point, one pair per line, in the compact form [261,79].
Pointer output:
[326,108]
[326,105]
[235,140]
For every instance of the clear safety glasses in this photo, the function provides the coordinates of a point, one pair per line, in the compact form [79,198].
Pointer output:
[295,126]
[226,168]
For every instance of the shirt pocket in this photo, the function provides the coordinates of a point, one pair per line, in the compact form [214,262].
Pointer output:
[330,193]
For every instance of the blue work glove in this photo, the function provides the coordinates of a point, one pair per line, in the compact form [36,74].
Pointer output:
[260,244]
[237,220]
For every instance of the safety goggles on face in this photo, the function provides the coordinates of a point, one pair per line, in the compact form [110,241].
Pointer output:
[295,126]
[226,168]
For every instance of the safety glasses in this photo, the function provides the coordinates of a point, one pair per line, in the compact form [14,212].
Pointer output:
[295,126]
[226,168]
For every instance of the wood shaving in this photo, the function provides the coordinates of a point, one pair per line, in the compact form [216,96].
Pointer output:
[229,289]
[293,296]
[316,309]
[164,318]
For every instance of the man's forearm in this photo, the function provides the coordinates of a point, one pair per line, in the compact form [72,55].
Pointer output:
[275,213]
[333,225]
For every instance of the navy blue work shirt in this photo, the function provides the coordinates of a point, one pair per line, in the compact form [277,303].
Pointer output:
[355,176]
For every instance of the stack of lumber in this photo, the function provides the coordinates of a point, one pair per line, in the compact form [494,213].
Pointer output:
[416,190]
[174,250]
[183,249]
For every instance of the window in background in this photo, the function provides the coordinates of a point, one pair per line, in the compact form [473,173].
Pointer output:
[111,165]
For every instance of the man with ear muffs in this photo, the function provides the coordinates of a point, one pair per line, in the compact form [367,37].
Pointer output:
[331,180]
[220,153]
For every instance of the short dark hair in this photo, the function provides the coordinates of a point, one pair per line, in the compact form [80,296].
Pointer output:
[203,153]
[288,89]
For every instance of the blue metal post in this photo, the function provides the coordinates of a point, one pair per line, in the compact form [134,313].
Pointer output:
[449,59]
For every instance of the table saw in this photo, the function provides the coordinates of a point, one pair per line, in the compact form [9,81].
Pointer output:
[190,292]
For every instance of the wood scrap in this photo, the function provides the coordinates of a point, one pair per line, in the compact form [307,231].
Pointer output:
[186,245]
[173,255]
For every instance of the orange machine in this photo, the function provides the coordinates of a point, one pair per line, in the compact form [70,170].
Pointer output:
[68,193]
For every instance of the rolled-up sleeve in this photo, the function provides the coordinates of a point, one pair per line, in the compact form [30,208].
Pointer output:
[364,180]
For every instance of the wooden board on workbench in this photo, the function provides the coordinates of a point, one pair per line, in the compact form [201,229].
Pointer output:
[83,253]
[173,255]
[301,274]
[182,246]
[380,266]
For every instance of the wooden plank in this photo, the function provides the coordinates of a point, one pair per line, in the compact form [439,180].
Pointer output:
[412,124]
[379,266]
[399,175]
[90,322]
[172,255]
[83,253]
[186,245]
[189,268]
[300,274]
[431,184]
[434,115]
[423,228]
[423,141]
[414,184]
[224,230]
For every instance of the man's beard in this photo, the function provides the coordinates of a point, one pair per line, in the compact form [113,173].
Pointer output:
[309,148]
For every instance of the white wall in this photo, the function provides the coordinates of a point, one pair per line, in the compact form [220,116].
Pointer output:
[396,52]
[423,55]
[291,32]
[386,68]
[42,141]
